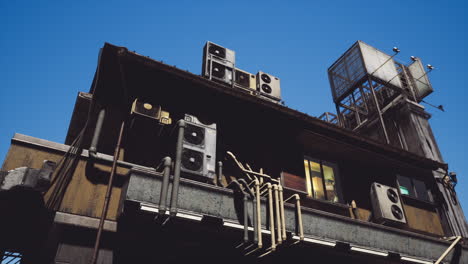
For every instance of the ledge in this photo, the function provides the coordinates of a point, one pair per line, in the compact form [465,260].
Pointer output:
[208,200]
[84,221]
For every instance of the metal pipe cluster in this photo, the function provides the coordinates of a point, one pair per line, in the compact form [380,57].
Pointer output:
[252,185]
[258,184]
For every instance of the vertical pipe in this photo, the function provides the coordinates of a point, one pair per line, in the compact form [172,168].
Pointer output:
[246,218]
[220,173]
[165,185]
[175,183]
[97,132]
[299,217]
[259,213]
[382,123]
[108,194]
[254,220]
[254,207]
[278,214]
[280,189]
[245,207]
[272,218]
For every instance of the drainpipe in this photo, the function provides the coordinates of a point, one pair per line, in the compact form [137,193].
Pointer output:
[256,184]
[92,152]
[165,185]
[254,213]
[272,218]
[245,207]
[220,173]
[278,214]
[108,194]
[97,134]
[259,212]
[281,201]
[175,183]
[299,214]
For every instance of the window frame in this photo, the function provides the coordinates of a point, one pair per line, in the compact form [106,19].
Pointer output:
[336,174]
[430,198]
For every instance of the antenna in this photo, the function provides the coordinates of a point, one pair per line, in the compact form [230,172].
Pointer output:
[440,107]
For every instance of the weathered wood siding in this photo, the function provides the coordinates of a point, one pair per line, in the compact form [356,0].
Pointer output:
[86,191]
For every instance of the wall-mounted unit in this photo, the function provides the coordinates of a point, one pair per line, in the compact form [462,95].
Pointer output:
[147,110]
[218,63]
[268,86]
[198,149]
[386,205]
[245,80]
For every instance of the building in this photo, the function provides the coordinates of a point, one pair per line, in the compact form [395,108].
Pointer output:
[206,169]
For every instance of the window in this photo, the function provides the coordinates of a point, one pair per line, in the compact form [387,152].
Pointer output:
[10,258]
[413,188]
[320,179]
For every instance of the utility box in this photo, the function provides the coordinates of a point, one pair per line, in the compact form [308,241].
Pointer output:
[386,204]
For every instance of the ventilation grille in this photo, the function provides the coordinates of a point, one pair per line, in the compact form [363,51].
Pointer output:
[192,160]
[194,135]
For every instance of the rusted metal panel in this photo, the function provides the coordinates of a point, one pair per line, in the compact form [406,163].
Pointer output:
[423,220]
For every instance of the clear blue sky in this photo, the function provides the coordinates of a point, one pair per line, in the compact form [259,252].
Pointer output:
[49,52]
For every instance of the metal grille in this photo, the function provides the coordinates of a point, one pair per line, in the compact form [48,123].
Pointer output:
[348,70]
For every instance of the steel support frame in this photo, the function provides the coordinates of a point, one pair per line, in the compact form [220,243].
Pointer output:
[379,113]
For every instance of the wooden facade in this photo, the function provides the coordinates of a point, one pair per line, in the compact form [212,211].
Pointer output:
[85,194]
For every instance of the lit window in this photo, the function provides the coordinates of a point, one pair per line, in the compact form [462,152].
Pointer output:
[320,179]
[413,188]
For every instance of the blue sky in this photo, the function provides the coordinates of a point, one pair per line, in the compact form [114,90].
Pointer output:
[49,52]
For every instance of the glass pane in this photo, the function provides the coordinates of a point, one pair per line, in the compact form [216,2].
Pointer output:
[307,174]
[314,166]
[421,190]
[329,177]
[405,182]
[317,180]
[404,190]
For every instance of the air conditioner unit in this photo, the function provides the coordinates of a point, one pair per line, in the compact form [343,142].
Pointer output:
[198,149]
[386,204]
[218,63]
[245,80]
[147,110]
[268,86]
